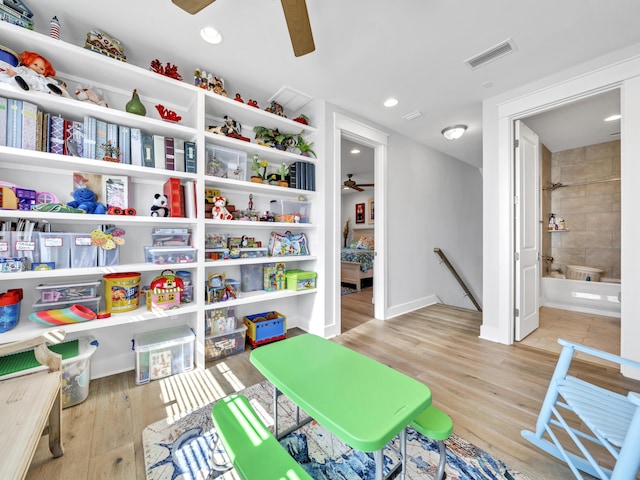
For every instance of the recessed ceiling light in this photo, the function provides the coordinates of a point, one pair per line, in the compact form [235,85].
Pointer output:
[211,35]
[454,132]
[390,102]
[355,151]
[611,118]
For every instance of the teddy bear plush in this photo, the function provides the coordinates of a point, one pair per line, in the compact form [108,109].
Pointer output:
[219,210]
[159,207]
[85,199]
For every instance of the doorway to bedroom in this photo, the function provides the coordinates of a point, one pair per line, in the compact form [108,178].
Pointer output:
[357,217]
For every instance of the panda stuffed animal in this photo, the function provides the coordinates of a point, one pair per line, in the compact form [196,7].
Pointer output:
[159,207]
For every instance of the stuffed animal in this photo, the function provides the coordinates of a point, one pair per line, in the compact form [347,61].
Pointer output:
[219,210]
[229,129]
[91,95]
[159,207]
[85,199]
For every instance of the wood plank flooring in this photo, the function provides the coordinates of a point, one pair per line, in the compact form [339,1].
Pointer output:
[491,391]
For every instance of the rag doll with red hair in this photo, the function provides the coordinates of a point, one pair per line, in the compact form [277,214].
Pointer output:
[35,72]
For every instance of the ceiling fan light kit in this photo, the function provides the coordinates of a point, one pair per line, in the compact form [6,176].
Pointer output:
[295,13]
[351,184]
[454,132]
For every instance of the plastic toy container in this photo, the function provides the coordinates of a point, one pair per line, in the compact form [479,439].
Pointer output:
[225,343]
[251,277]
[163,352]
[290,211]
[76,367]
[91,303]
[10,309]
[122,291]
[169,255]
[300,280]
[62,292]
[265,327]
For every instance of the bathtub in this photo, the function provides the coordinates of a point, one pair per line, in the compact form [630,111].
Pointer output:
[598,298]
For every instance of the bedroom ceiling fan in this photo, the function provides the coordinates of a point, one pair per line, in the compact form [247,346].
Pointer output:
[295,13]
[348,183]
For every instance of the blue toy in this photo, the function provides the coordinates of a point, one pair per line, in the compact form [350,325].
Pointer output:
[85,199]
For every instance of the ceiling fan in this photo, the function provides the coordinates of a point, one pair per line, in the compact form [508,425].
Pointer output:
[295,13]
[348,183]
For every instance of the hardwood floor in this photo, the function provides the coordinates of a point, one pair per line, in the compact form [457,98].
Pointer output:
[491,391]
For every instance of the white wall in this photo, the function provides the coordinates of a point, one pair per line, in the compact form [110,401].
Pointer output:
[348,211]
[619,69]
[433,200]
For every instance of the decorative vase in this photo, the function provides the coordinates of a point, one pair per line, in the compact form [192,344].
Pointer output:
[111,159]
[256,179]
[135,105]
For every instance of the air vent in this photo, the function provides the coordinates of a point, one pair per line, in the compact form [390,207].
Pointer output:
[491,54]
[412,115]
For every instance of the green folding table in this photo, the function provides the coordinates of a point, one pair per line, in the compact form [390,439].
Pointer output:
[360,400]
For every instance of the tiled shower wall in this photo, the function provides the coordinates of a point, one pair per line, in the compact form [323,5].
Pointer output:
[591,212]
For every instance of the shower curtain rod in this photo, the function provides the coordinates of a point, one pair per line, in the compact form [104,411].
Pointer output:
[553,186]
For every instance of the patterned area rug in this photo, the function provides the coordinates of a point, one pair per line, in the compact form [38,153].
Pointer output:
[347,290]
[180,449]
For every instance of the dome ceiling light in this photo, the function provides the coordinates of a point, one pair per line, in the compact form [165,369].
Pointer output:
[454,132]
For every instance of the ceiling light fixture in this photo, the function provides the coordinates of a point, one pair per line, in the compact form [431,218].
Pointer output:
[454,132]
[611,118]
[211,35]
[355,151]
[390,102]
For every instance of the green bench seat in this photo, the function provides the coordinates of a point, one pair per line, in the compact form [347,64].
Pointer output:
[433,423]
[250,446]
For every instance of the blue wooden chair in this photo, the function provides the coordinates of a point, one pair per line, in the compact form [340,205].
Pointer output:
[608,419]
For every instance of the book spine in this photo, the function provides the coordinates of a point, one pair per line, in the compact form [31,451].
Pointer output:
[190,157]
[67,134]
[14,123]
[147,151]
[113,135]
[293,181]
[172,191]
[39,120]
[56,135]
[136,147]
[169,153]
[158,152]
[124,141]
[89,138]
[178,154]
[190,206]
[101,138]
[308,170]
[3,122]
[46,132]
[29,121]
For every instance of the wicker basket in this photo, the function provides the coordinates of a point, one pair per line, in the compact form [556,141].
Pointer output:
[577,272]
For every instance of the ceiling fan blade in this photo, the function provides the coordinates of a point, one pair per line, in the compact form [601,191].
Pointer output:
[192,6]
[366,184]
[357,188]
[297,17]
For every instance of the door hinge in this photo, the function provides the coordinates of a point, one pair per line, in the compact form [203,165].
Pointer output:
[516,143]
[517,256]
[517,312]
[516,200]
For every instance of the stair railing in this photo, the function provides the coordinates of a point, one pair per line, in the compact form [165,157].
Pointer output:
[467,292]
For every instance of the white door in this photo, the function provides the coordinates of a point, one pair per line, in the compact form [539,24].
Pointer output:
[527,234]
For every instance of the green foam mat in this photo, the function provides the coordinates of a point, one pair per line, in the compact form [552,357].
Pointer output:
[17,362]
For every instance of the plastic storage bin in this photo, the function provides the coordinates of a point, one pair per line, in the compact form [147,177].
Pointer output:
[10,309]
[76,367]
[225,343]
[171,237]
[62,292]
[251,277]
[169,255]
[163,352]
[265,327]
[55,247]
[91,303]
[301,280]
[290,211]
[226,162]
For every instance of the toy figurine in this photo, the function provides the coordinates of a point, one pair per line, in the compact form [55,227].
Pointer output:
[34,73]
[238,98]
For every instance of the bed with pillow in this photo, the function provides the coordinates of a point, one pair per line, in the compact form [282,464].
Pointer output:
[356,261]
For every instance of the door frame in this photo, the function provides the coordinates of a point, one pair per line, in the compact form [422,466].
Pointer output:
[377,140]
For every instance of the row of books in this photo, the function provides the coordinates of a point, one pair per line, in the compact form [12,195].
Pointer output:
[23,125]
[302,175]
[17,13]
